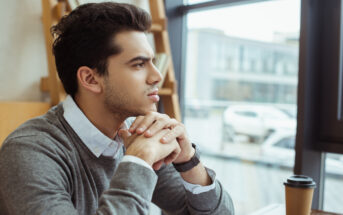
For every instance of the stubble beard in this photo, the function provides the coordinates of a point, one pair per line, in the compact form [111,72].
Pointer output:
[118,103]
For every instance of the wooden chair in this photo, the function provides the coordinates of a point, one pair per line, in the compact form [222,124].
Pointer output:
[12,114]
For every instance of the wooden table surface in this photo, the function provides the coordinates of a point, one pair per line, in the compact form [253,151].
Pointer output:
[315,212]
[279,209]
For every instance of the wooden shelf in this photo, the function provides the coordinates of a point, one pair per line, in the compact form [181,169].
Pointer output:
[44,84]
[155,27]
[161,38]
[165,92]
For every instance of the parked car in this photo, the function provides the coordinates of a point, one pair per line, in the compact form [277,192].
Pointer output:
[279,149]
[255,121]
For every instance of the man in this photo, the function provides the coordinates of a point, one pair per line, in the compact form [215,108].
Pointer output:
[86,156]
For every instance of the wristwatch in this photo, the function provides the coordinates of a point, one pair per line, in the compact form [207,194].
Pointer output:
[195,160]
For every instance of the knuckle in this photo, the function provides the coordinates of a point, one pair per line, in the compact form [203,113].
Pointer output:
[139,118]
[178,128]
[176,131]
[174,121]
[161,121]
[154,115]
[164,116]
[150,113]
[159,117]
[181,127]
[157,125]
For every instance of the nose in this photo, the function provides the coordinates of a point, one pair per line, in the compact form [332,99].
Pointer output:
[154,76]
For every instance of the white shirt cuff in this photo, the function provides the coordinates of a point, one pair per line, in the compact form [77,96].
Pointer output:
[137,160]
[193,188]
[196,188]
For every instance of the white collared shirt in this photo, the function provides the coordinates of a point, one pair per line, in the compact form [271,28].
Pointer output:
[100,144]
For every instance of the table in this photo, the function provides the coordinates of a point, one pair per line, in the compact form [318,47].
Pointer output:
[279,209]
[316,212]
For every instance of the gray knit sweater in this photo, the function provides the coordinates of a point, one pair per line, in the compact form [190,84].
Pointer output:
[46,169]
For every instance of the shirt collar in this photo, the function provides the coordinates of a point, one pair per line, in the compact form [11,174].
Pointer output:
[92,137]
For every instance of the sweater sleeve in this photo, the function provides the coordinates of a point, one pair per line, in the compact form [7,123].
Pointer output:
[36,180]
[33,180]
[171,196]
[130,190]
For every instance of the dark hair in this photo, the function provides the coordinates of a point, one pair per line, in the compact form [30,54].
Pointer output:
[85,37]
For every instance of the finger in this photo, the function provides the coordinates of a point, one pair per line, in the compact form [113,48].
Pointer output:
[124,134]
[146,123]
[157,126]
[135,123]
[176,132]
[174,123]
[157,165]
[161,133]
[164,121]
[170,158]
[161,151]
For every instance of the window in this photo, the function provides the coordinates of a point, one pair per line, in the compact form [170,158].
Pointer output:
[196,1]
[333,200]
[237,72]
[287,143]
[267,76]
[247,114]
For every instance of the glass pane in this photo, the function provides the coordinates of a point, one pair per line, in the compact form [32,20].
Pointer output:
[195,1]
[240,96]
[333,199]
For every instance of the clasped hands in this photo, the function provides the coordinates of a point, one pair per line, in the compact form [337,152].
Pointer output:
[157,139]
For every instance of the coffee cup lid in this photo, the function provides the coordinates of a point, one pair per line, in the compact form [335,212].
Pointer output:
[301,181]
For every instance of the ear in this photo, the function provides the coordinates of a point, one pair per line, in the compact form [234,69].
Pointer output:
[89,79]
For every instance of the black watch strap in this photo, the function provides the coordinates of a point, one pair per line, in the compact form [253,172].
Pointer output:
[195,160]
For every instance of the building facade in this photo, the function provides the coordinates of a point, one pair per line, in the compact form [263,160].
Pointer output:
[226,69]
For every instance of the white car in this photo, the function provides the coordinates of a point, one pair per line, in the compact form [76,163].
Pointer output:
[279,149]
[255,121]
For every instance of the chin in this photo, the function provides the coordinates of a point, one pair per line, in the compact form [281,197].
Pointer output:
[146,110]
[151,109]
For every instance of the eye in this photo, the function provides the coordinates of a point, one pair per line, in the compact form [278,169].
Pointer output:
[139,65]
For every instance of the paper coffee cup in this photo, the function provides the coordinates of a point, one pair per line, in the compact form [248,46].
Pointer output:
[299,192]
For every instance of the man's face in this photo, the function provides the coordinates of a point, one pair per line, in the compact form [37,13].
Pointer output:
[130,88]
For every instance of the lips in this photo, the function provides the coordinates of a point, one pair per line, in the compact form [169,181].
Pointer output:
[153,93]
[154,96]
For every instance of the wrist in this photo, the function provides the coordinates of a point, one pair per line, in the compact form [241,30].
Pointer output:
[190,164]
[187,156]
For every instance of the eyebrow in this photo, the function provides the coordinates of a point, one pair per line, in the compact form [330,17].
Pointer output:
[139,58]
